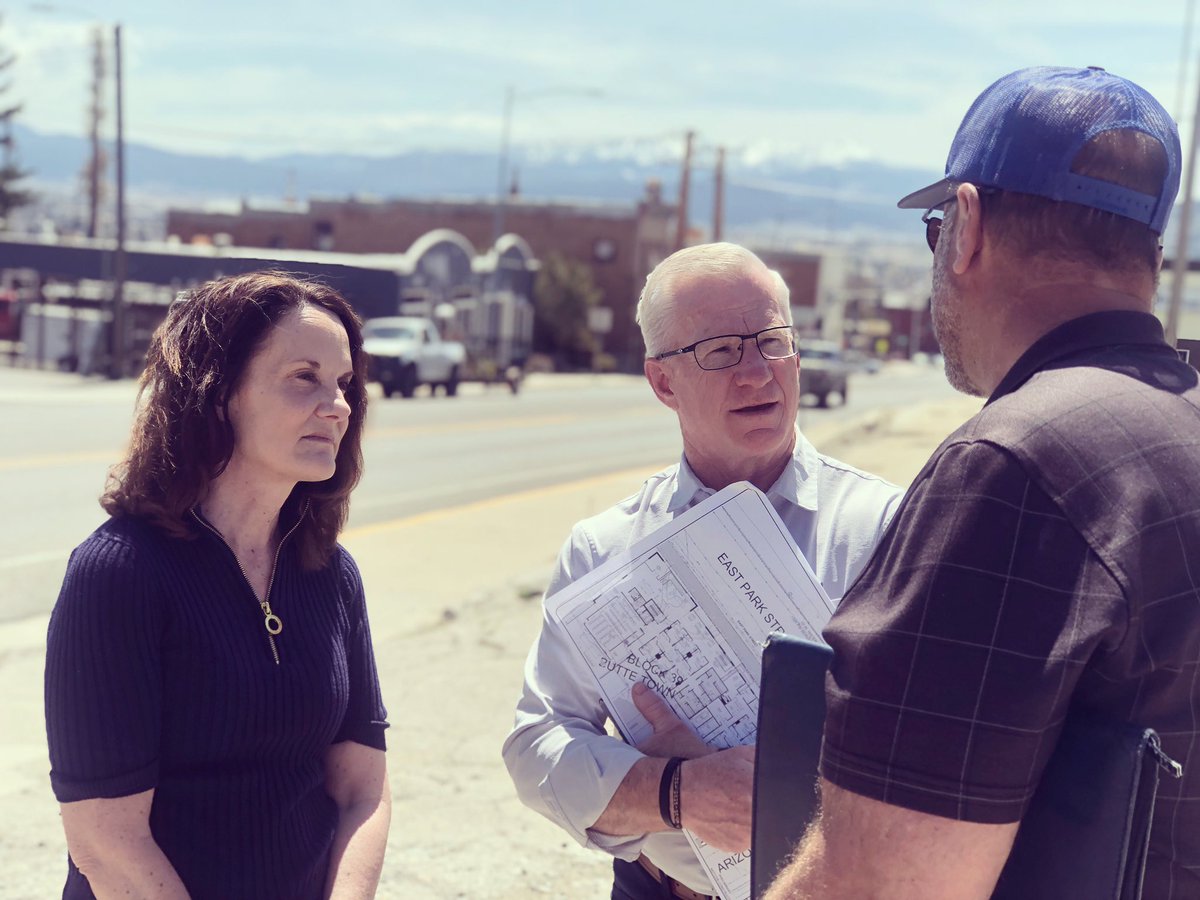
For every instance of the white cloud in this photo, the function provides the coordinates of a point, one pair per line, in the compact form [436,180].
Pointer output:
[862,79]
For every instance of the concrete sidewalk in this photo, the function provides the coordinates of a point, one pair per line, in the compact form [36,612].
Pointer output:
[454,597]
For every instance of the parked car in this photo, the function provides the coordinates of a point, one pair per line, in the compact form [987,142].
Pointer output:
[857,361]
[823,371]
[405,352]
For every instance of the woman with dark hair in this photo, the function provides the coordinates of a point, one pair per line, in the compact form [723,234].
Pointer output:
[212,706]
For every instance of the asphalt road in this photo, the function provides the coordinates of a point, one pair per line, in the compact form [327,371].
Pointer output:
[60,434]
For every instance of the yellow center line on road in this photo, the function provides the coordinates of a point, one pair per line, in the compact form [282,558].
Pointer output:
[496,424]
[633,476]
[49,460]
[476,425]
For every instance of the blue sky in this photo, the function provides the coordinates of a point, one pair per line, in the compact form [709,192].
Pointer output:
[823,81]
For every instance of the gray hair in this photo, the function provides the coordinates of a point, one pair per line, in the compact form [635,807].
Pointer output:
[722,261]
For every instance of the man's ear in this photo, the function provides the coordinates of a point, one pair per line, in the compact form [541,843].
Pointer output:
[968,229]
[660,383]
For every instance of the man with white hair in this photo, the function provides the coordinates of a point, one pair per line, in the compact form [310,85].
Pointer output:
[721,353]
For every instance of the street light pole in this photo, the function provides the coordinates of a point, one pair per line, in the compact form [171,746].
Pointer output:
[510,95]
[502,172]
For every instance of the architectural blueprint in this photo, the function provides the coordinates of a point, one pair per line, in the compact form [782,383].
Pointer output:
[686,611]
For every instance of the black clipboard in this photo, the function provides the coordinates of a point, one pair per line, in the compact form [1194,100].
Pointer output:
[1086,832]
[791,716]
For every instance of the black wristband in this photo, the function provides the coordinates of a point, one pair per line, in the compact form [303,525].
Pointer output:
[664,791]
[677,797]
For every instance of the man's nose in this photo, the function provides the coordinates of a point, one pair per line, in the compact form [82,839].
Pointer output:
[753,367]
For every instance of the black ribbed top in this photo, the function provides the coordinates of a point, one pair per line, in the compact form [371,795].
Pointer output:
[160,674]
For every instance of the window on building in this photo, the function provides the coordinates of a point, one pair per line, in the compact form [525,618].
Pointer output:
[323,235]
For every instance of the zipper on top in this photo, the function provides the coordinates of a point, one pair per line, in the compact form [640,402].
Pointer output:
[1168,765]
[272,622]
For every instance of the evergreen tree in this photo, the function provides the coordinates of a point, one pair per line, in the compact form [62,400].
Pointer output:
[12,195]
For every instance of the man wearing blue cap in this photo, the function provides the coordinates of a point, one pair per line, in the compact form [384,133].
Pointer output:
[1047,559]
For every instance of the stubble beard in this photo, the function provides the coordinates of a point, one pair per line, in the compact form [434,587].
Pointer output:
[946,309]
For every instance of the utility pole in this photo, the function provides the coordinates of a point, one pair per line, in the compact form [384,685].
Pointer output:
[117,361]
[93,172]
[719,196]
[1184,52]
[1179,265]
[685,178]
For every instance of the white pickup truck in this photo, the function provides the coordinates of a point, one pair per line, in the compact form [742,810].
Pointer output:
[405,351]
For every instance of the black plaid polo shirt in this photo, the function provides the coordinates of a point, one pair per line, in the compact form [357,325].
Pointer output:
[1046,558]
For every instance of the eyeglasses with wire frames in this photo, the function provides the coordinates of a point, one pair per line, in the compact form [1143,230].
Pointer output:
[725,350]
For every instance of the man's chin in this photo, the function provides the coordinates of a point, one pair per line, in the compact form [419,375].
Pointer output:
[766,436]
[957,375]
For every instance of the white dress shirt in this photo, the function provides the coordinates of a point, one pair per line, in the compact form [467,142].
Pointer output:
[561,760]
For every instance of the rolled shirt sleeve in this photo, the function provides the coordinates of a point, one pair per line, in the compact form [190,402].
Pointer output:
[366,718]
[561,761]
[103,682]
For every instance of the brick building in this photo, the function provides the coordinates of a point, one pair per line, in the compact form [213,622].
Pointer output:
[807,278]
[621,243]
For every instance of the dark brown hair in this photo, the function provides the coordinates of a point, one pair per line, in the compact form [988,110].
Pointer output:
[1037,227]
[182,437]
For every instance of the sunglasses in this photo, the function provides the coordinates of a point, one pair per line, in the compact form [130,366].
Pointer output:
[933,224]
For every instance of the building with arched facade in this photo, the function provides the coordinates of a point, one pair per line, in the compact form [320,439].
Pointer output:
[619,243]
[484,300]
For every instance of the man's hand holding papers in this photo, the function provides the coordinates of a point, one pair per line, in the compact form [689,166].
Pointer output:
[716,786]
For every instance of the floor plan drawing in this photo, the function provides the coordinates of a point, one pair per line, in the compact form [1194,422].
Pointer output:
[686,612]
[656,628]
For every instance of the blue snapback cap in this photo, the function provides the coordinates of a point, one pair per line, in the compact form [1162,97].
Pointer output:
[1023,133]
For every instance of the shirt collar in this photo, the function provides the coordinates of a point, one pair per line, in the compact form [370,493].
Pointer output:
[796,484]
[1100,329]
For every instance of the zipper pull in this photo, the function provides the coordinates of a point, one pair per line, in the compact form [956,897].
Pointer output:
[1168,765]
[273,623]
